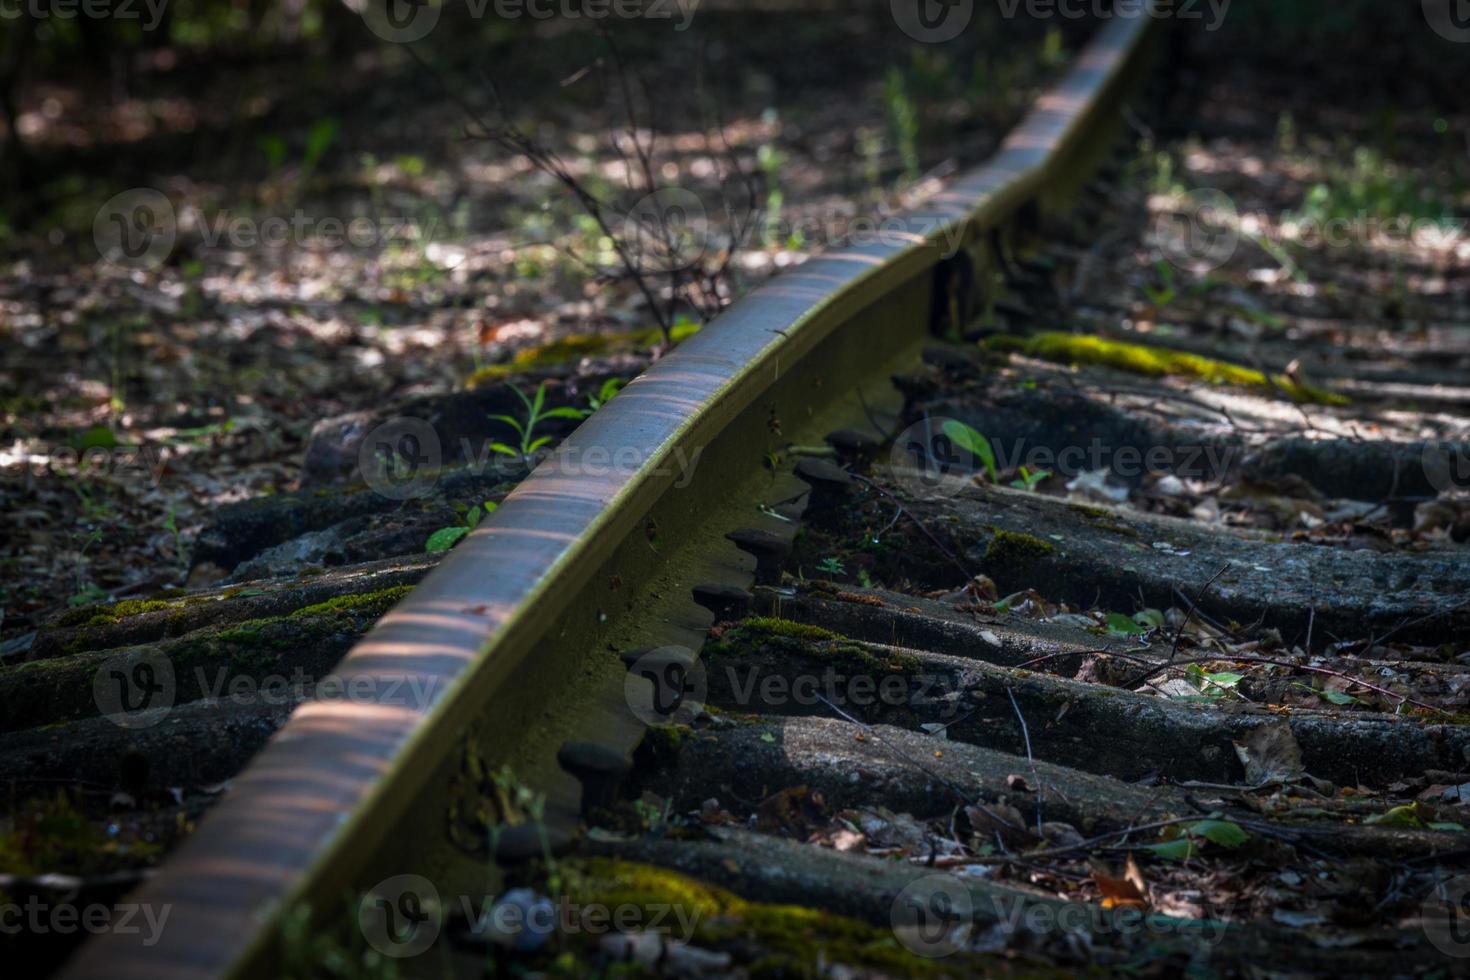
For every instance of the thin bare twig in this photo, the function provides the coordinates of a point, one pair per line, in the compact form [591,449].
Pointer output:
[1179,633]
[871,420]
[1372,642]
[1026,738]
[917,523]
[1082,653]
[508,137]
[1091,842]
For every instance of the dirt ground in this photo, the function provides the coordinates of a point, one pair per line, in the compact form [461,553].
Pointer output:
[140,398]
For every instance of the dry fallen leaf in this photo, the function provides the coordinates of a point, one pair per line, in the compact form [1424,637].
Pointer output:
[1129,891]
[1270,754]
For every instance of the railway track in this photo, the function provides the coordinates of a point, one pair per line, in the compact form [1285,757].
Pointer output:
[759,659]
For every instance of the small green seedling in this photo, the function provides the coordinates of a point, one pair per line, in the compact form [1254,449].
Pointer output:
[86,595]
[1327,694]
[1213,685]
[1027,478]
[972,442]
[604,395]
[526,429]
[1163,294]
[1118,624]
[171,525]
[654,817]
[832,565]
[447,537]
[1184,841]
[1413,815]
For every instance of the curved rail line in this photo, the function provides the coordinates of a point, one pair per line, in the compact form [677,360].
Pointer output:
[316,804]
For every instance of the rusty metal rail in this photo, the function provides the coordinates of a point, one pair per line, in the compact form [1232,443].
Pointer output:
[524,593]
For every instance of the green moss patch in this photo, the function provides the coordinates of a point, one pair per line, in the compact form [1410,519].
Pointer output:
[760,633]
[788,628]
[1155,362]
[568,350]
[116,612]
[270,632]
[661,743]
[1012,547]
[774,940]
[373,603]
[248,632]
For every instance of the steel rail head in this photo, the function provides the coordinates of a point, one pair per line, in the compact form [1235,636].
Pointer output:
[316,801]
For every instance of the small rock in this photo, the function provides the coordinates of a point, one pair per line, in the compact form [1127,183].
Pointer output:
[521,921]
[1061,834]
[1169,485]
[324,547]
[331,450]
[205,574]
[17,645]
[1093,485]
